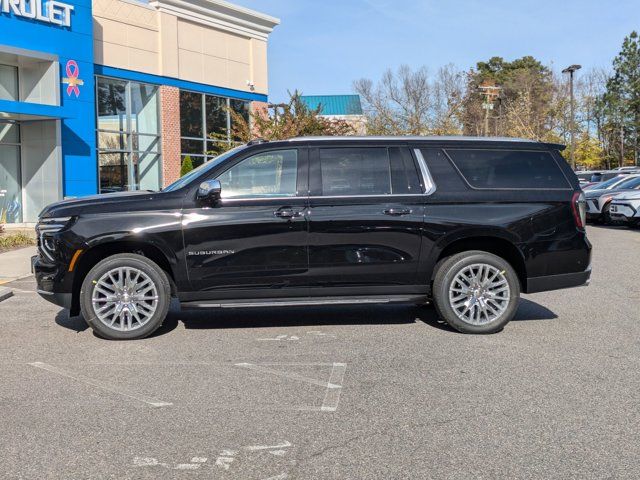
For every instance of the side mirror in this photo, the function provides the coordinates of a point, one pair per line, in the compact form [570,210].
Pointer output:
[209,190]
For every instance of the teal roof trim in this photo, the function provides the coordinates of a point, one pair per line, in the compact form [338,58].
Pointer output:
[334,104]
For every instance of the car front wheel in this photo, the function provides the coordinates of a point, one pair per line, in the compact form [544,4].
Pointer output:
[476,292]
[125,297]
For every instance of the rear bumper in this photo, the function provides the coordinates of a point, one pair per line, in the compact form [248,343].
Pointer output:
[557,282]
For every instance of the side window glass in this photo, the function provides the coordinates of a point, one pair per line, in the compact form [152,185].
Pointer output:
[404,175]
[355,171]
[508,169]
[267,174]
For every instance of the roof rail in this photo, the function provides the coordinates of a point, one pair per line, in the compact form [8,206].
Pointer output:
[257,141]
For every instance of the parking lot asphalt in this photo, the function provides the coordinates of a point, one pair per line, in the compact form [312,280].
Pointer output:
[323,393]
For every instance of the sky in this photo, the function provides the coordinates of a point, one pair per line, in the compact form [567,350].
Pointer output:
[322,46]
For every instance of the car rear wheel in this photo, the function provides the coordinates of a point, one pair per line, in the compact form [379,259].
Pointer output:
[476,292]
[125,297]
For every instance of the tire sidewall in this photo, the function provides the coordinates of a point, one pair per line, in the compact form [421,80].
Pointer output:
[155,273]
[445,276]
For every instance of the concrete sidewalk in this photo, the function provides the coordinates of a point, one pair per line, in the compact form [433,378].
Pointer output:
[16,264]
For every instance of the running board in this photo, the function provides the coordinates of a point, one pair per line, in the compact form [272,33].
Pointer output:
[292,302]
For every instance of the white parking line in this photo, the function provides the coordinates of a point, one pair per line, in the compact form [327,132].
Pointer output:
[332,397]
[103,386]
[291,375]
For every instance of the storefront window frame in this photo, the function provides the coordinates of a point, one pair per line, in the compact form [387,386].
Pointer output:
[18,146]
[129,134]
[205,139]
[17,76]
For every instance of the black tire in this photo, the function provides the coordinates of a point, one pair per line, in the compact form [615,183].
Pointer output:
[152,270]
[447,269]
[606,215]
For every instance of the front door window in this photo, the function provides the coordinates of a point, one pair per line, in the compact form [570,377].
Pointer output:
[265,175]
[10,174]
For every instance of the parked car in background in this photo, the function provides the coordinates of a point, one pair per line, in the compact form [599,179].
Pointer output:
[599,199]
[594,177]
[608,184]
[626,169]
[625,208]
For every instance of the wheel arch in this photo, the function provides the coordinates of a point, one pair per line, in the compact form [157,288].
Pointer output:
[100,251]
[497,245]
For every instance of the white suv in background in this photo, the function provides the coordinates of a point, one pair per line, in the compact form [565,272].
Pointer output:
[626,208]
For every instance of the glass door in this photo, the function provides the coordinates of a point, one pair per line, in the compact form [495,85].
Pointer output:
[10,174]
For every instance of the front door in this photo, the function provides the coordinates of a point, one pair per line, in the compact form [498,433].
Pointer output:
[366,211]
[253,241]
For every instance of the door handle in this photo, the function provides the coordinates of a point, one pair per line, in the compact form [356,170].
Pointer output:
[397,212]
[287,213]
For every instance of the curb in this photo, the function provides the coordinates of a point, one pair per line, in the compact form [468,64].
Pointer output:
[5,293]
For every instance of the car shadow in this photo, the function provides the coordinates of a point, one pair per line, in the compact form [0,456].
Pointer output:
[77,324]
[311,316]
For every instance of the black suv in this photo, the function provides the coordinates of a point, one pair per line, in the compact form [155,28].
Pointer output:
[468,223]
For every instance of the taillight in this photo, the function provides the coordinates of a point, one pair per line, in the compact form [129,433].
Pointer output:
[579,209]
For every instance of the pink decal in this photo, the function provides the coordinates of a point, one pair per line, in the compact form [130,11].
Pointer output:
[72,80]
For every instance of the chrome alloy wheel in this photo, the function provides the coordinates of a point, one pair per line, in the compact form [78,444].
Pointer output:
[479,294]
[124,298]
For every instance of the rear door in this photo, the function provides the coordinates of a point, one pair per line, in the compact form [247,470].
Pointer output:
[366,209]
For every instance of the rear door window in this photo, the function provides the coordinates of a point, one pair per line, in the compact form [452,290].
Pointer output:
[508,169]
[355,171]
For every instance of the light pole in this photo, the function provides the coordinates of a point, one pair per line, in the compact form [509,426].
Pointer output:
[570,70]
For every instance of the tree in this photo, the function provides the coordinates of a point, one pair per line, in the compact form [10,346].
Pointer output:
[186,167]
[622,99]
[288,120]
[409,102]
[589,153]
[524,105]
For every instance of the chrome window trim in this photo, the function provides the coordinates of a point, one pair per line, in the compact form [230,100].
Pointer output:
[427,180]
[320,197]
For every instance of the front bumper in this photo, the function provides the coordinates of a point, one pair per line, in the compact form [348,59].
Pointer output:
[557,282]
[624,212]
[48,282]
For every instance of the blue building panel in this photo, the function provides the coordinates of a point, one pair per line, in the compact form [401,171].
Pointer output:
[73,47]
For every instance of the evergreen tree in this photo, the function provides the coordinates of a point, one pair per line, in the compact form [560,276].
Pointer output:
[186,167]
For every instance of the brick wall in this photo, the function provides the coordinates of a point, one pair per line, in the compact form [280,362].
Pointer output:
[258,108]
[170,131]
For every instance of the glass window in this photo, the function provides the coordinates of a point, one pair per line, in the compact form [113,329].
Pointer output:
[633,182]
[404,175]
[128,136]
[268,174]
[216,108]
[355,171]
[10,174]
[112,104]
[508,169]
[114,172]
[144,108]
[9,83]
[191,114]
[206,123]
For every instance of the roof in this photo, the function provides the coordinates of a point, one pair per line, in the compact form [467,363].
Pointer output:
[334,104]
[431,139]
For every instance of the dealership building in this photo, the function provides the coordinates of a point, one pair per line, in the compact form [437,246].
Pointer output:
[111,95]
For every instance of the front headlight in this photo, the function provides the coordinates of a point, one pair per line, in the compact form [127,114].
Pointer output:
[45,229]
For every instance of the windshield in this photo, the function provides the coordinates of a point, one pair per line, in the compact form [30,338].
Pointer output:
[205,167]
[607,184]
[633,182]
